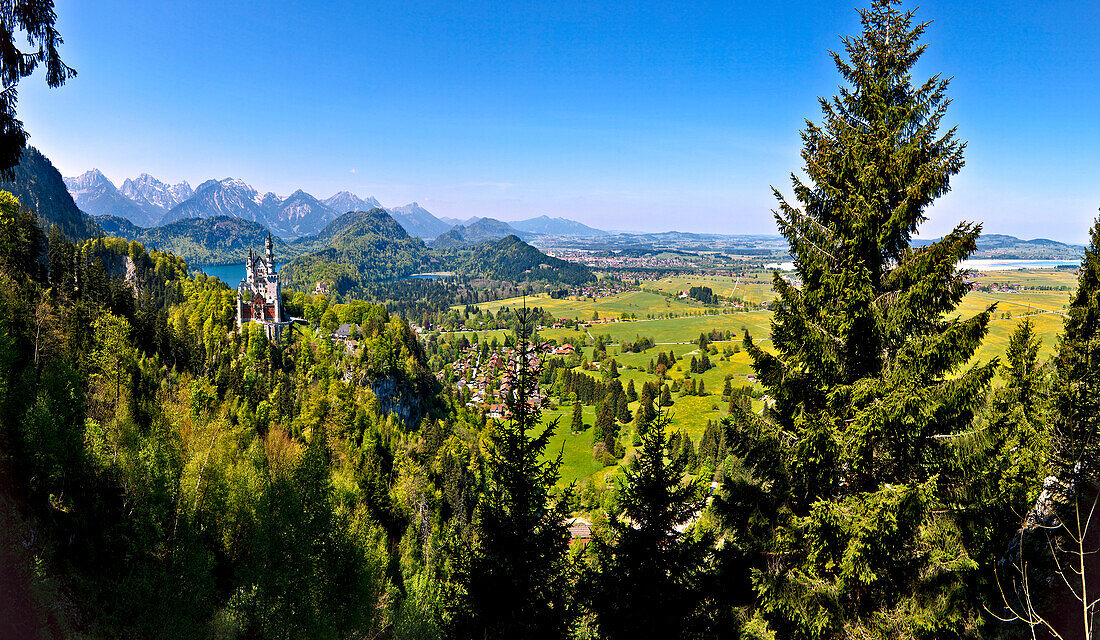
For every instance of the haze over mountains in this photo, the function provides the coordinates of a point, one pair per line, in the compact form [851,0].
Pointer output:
[148,202]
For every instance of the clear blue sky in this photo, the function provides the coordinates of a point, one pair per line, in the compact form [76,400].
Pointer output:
[640,116]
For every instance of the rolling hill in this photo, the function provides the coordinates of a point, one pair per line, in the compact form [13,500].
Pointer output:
[215,240]
[510,258]
[356,249]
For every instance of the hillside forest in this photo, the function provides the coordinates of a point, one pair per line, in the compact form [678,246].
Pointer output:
[166,473]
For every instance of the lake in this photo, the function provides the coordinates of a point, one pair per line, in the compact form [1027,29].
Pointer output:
[230,274]
[981,264]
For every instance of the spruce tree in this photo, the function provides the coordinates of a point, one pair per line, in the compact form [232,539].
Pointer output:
[577,424]
[1076,392]
[512,577]
[605,424]
[622,411]
[645,413]
[868,380]
[648,577]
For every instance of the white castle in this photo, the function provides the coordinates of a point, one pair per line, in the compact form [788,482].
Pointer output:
[259,295]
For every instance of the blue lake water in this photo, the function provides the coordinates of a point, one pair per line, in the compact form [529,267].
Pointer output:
[980,264]
[230,274]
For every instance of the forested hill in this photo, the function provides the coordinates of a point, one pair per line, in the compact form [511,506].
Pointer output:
[377,221]
[39,186]
[479,231]
[357,249]
[513,259]
[216,240]
[352,251]
[163,474]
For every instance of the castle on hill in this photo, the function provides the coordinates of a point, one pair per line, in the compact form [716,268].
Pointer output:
[259,295]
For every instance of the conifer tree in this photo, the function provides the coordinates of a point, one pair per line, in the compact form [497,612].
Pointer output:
[605,422]
[577,424]
[631,392]
[513,577]
[645,412]
[666,396]
[622,411]
[1076,392]
[648,577]
[867,380]
[34,21]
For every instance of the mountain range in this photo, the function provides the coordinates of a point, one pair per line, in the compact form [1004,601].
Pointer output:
[148,202]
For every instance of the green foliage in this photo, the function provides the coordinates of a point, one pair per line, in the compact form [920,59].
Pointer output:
[512,574]
[355,250]
[648,576]
[868,377]
[513,259]
[214,240]
[1077,375]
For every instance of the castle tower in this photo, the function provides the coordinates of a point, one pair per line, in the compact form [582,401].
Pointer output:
[268,251]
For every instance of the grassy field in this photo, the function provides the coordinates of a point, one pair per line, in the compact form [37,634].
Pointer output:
[1023,300]
[1045,309]
[755,288]
[637,303]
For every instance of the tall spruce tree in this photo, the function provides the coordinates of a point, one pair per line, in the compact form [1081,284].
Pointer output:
[648,577]
[513,577]
[1076,392]
[868,378]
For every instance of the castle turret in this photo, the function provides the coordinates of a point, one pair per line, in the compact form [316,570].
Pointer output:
[268,251]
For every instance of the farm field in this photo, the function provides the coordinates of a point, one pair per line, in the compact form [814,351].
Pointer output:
[1045,309]
[690,413]
[755,288]
[637,303]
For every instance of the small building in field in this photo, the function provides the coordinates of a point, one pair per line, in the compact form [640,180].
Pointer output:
[580,529]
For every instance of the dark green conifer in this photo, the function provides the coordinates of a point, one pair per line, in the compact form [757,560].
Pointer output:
[868,379]
[622,411]
[648,577]
[1076,392]
[513,577]
[577,424]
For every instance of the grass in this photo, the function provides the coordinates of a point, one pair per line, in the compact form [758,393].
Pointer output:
[755,288]
[690,413]
[637,303]
[575,449]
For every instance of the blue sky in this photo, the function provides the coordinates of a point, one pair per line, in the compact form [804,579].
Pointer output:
[638,116]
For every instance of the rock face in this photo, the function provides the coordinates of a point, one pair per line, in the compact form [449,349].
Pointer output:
[227,197]
[346,201]
[96,195]
[40,188]
[398,397]
[300,215]
[419,222]
[154,197]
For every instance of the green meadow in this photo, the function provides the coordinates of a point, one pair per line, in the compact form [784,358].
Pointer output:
[690,413]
